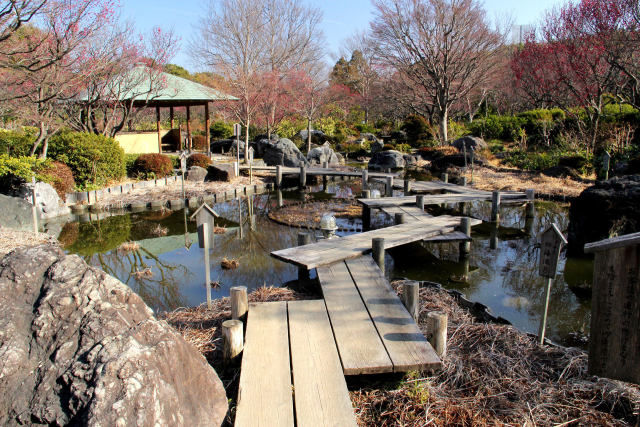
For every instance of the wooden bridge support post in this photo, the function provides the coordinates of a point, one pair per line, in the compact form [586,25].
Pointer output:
[366,217]
[377,246]
[239,303]
[437,332]
[411,299]
[445,178]
[365,194]
[495,206]
[278,176]
[389,186]
[407,187]
[531,209]
[465,227]
[400,218]
[280,203]
[233,340]
[493,236]
[303,273]
[303,177]
[365,179]
[420,202]
[464,181]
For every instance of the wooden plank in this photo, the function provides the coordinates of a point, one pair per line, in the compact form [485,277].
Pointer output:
[321,394]
[405,343]
[437,199]
[613,243]
[264,394]
[360,348]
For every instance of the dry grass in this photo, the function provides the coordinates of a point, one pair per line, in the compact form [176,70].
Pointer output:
[11,239]
[143,274]
[159,231]
[495,375]
[219,230]
[128,247]
[229,264]
[488,179]
[309,215]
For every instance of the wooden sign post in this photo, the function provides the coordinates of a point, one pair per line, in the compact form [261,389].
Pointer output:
[205,215]
[606,160]
[614,342]
[551,242]
[250,165]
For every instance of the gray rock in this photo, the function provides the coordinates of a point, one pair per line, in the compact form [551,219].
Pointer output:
[390,159]
[196,174]
[50,205]
[324,153]
[16,213]
[283,152]
[470,141]
[79,347]
[606,209]
[220,145]
[410,160]
[221,172]
[445,162]
[376,147]
[369,137]
[316,135]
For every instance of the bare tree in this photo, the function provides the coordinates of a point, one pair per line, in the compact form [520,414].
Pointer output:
[245,40]
[443,48]
[14,13]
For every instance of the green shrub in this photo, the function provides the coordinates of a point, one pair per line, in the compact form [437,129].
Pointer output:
[417,129]
[456,130]
[365,128]
[495,146]
[14,171]
[129,164]
[198,159]
[153,163]
[94,159]
[221,130]
[403,148]
[387,147]
[15,143]
[60,177]
[531,161]
[326,125]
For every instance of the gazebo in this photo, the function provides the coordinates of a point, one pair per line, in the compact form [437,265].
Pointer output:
[147,88]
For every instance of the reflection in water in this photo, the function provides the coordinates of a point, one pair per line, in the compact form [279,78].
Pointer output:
[501,270]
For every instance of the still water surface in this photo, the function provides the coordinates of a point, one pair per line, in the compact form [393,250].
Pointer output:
[501,271]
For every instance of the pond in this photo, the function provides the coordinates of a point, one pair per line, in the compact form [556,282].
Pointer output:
[167,268]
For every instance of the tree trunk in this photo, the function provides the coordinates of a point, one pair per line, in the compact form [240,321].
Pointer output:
[42,133]
[308,135]
[444,119]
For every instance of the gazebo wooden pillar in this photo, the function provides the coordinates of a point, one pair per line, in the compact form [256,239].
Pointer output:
[189,128]
[158,129]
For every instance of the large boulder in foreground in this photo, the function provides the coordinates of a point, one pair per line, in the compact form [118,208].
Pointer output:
[324,153]
[390,159]
[79,347]
[606,209]
[283,152]
[16,213]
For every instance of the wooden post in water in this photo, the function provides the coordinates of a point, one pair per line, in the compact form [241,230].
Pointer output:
[495,206]
[389,186]
[407,187]
[464,181]
[411,298]
[365,194]
[303,177]
[614,343]
[530,208]
[551,242]
[465,227]
[233,340]
[278,176]
[400,218]
[377,247]
[365,179]
[239,303]
[203,230]
[366,212]
[420,202]
[445,178]
[303,273]
[325,165]
[437,332]
[280,203]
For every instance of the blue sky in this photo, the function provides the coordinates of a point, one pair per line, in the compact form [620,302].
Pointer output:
[341,17]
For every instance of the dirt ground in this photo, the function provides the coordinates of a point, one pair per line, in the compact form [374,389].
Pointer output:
[11,239]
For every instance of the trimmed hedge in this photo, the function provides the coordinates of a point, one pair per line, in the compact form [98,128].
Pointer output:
[157,164]
[198,159]
[94,159]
